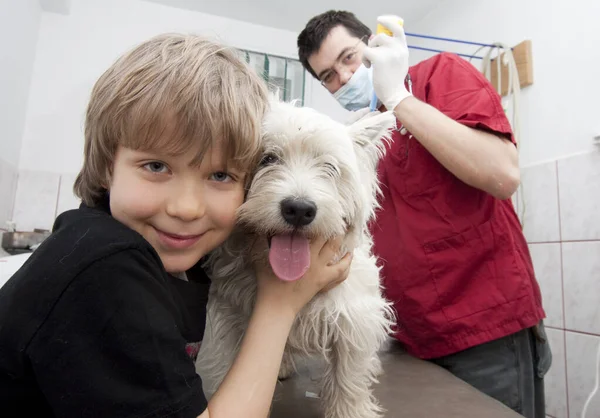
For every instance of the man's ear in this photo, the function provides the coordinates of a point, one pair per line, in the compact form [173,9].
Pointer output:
[370,133]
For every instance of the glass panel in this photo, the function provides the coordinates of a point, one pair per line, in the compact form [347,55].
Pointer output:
[284,74]
[277,78]
[257,61]
[295,76]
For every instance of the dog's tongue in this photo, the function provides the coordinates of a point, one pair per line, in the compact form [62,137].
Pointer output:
[289,256]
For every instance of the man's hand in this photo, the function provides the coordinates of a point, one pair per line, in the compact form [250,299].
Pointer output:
[389,58]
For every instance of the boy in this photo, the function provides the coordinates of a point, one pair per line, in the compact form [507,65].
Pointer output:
[103,320]
[454,259]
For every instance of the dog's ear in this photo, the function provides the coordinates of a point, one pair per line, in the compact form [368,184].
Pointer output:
[274,95]
[370,132]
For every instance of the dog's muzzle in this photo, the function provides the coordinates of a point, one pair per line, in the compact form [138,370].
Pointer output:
[298,212]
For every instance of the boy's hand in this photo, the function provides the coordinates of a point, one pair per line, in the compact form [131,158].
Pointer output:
[321,276]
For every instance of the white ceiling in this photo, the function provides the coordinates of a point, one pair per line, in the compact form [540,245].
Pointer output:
[293,14]
[56,6]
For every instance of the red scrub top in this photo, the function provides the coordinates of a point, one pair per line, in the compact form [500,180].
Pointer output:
[454,259]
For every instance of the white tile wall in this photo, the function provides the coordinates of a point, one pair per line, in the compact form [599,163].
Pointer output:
[539,186]
[66,199]
[35,201]
[555,381]
[580,197]
[562,227]
[581,273]
[547,266]
[40,197]
[8,188]
[581,373]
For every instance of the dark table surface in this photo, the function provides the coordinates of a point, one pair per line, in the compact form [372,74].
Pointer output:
[409,387]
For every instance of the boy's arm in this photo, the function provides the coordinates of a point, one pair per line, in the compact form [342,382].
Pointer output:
[249,386]
[462,106]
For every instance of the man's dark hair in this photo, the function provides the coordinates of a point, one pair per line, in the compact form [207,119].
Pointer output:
[317,29]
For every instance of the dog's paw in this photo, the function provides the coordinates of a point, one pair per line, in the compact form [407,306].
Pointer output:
[377,367]
[285,374]
[366,409]
[286,370]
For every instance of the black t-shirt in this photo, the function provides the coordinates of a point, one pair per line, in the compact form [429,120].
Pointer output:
[93,326]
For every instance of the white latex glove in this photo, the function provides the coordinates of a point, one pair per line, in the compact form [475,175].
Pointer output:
[389,57]
[359,114]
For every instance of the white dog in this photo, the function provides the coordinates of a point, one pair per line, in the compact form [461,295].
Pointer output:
[317,178]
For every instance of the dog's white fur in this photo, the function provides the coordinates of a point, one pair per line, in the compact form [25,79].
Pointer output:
[312,157]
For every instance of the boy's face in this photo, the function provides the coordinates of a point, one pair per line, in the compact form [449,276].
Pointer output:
[183,210]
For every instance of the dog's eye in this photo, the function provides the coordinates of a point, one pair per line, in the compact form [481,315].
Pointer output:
[269,159]
[331,169]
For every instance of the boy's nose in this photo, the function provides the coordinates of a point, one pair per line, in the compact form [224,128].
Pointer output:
[187,206]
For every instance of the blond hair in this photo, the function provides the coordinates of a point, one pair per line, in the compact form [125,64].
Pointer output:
[172,93]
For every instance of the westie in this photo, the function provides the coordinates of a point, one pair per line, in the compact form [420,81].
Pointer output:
[317,178]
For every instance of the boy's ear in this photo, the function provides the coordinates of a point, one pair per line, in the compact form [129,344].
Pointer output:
[370,133]
[107,179]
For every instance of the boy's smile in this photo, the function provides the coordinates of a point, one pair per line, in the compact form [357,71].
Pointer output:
[177,241]
[184,210]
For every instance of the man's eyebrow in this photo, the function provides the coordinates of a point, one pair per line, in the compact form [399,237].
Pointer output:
[340,55]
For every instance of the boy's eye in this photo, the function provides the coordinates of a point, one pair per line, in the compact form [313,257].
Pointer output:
[349,57]
[221,176]
[156,167]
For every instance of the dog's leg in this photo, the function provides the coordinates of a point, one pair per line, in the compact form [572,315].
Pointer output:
[222,338]
[346,386]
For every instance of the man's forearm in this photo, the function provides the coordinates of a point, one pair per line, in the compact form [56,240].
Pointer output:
[478,158]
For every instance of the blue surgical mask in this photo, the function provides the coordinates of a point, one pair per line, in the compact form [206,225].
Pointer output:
[357,92]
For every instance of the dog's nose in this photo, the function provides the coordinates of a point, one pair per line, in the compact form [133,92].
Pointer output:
[298,212]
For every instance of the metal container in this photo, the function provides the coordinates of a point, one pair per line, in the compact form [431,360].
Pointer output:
[21,242]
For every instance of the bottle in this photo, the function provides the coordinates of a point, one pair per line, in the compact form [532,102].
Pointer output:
[382,29]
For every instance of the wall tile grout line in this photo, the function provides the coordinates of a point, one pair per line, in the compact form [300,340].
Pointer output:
[57,196]
[14,203]
[562,285]
[568,241]
[591,334]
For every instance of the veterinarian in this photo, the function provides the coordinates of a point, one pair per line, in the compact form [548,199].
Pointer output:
[103,320]
[454,259]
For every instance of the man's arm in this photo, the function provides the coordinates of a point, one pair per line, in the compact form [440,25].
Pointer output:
[478,158]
